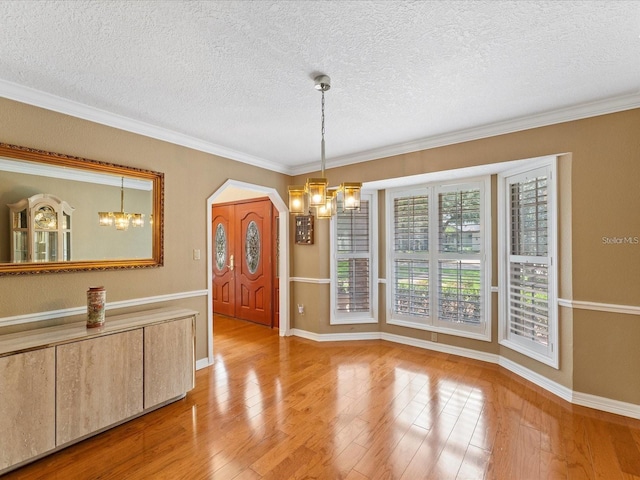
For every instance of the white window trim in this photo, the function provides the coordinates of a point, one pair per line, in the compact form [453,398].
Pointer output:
[483,332]
[355,318]
[550,163]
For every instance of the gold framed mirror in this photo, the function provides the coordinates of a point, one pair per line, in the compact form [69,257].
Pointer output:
[60,213]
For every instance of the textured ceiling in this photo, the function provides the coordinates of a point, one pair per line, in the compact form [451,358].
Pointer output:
[235,77]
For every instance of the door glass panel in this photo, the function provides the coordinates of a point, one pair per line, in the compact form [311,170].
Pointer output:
[221,246]
[252,247]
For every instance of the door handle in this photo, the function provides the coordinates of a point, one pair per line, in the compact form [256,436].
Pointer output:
[230,263]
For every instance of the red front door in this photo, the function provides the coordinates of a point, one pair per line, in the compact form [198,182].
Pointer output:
[243,282]
[223,279]
[254,273]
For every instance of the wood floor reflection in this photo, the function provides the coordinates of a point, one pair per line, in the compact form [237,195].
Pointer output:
[280,408]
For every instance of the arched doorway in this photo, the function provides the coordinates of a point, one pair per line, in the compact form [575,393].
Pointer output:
[234,190]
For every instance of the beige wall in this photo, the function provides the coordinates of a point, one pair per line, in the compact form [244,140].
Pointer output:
[190,178]
[599,196]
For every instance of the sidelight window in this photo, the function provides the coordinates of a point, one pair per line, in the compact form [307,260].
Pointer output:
[528,316]
[353,269]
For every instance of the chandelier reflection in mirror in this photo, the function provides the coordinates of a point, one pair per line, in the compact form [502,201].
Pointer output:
[121,219]
[315,194]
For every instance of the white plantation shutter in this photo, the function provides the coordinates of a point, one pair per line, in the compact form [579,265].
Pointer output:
[459,221]
[411,287]
[410,256]
[411,224]
[528,302]
[352,268]
[459,256]
[353,230]
[528,212]
[353,285]
[352,248]
[459,292]
[530,324]
[439,278]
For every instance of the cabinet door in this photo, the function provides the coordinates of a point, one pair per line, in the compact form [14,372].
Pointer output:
[169,363]
[27,390]
[98,383]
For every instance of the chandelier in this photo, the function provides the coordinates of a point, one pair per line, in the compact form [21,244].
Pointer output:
[121,219]
[315,193]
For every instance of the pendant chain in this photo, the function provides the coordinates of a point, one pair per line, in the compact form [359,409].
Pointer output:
[322,132]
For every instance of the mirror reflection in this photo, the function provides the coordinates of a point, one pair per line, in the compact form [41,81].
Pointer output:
[81,213]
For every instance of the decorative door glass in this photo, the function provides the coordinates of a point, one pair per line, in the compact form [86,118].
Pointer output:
[252,247]
[221,246]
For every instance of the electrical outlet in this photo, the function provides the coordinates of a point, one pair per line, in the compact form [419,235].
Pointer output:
[301,309]
[434,337]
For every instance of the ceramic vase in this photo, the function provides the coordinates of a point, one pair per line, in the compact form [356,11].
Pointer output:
[96,299]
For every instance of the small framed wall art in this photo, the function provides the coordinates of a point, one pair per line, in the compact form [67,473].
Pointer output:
[304,229]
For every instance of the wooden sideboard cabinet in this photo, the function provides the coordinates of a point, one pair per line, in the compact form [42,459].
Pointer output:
[98,383]
[61,384]
[168,356]
[27,390]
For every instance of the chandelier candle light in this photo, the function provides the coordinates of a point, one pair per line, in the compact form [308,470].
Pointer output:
[121,219]
[315,192]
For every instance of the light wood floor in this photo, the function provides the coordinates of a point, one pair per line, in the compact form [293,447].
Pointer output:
[282,408]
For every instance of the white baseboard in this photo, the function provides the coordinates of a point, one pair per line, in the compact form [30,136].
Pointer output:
[202,363]
[607,405]
[540,380]
[335,337]
[440,347]
[577,398]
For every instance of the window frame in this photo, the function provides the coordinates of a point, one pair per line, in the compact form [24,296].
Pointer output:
[545,166]
[349,318]
[432,322]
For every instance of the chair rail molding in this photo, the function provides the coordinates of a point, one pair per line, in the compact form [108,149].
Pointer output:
[67,312]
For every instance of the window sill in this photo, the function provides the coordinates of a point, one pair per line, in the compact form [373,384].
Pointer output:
[522,350]
[445,331]
[352,321]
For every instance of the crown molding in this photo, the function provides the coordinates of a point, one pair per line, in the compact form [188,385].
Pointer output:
[576,112]
[38,98]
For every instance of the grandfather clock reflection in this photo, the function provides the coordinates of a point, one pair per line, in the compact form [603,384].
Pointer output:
[40,229]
